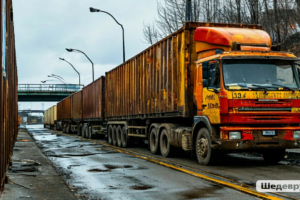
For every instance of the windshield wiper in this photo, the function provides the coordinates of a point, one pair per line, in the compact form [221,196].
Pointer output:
[255,86]
[283,86]
[262,86]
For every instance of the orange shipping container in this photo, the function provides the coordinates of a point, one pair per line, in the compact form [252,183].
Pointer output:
[76,106]
[59,111]
[93,100]
[66,109]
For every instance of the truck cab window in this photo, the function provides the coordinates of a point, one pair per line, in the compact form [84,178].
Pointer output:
[214,75]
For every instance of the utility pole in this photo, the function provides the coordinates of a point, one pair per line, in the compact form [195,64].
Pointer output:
[73,68]
[188,13]
[97,10]
[78,51]
[276,21]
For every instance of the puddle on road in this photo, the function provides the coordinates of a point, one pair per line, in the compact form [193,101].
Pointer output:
[196,193]
[70,155]
[45,137]
[99,170]
[109,168]
[141,187]
[116,166]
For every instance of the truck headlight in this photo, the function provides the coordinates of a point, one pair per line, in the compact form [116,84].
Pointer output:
[296,135]
[236,135]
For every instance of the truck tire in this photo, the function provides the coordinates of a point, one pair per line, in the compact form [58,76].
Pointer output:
[68,129]
[109,134]
[126,141]
[64,129]
[83,132]
[90,135]
[273,156]
[206,155]
[114,135]
[118,134]
[79,130]
[166,149]
[154,141]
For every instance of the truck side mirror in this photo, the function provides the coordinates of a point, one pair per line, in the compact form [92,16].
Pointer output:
[205,74]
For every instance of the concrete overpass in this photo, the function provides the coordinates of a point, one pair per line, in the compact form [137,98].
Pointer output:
[46,92]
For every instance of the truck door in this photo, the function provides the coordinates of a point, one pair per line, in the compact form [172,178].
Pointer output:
[211,89]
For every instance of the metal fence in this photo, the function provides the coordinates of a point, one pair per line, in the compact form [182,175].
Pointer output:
[49,88]
[8,89]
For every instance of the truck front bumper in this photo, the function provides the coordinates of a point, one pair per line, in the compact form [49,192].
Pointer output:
[253,138]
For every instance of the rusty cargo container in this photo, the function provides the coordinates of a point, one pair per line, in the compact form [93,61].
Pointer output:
[59,116]
[93,100]
[66,109]
[8,90]
[76,112]
[76,106]
[59,110]
[156,82]
[93,107]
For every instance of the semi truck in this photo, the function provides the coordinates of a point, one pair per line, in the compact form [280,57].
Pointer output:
[208,88]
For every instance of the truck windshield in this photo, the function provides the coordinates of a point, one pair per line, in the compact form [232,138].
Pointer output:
[259,73]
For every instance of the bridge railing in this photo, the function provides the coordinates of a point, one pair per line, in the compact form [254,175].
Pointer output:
[66,88]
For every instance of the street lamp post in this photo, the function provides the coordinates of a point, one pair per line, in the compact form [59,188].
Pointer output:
[58,77]
[73,68]
[52,80]
[97,10]
[78,51]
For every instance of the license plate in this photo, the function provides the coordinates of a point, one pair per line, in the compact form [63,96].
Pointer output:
[268,132]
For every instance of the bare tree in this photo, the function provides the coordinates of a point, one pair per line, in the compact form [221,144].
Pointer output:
[280,18]
[150,34]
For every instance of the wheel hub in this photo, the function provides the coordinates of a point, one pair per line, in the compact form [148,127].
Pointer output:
[203,147]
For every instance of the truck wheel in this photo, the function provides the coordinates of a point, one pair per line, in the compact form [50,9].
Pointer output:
[86,132]
[68,129]
[154,141]
[79,130]
[90,132]
[166,149]
[206,155]
[83,132]
[114,135]
[64,129]
[273,156]
[118,134]
[109,134]
[126,141]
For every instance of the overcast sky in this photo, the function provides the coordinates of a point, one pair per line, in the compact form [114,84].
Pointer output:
[44,28]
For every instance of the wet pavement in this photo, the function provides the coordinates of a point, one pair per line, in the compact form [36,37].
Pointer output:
[92,169]
[32,176]
[95,171]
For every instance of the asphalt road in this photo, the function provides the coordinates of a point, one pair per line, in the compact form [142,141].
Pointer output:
[94,170]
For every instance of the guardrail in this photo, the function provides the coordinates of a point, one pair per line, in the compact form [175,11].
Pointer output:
[67,88]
